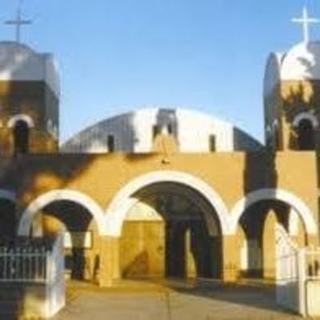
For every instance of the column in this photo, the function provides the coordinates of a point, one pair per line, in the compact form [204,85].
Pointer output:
[109,261]
[231,258]
[269,246]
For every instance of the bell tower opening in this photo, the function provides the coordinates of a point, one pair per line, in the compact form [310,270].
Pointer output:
[305,135]
[21,137]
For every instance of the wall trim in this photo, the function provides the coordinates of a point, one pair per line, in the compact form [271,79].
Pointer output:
[20,117]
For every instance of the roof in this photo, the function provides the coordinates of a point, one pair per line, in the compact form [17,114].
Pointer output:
[19,62]
[133,131]
[302,62]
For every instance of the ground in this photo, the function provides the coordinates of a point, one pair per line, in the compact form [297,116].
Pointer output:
[139,300]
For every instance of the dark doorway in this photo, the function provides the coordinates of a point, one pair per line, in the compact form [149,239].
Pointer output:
[21,137]
[305,135]
[258,243]
[181,238]
[81,256]
[8,220]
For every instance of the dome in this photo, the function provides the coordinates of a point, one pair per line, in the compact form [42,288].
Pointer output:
[133,132]
[19,62]
[302,62]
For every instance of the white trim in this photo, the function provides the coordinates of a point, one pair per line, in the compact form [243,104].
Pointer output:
[20,117]
[274,194]
[306,116]
[293,223]
[60,194]
[121,203]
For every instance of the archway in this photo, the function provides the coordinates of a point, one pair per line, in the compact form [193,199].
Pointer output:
[81,220]
[257,215]
[20,124]
[122,202]
[81,236]
[170,230]
[305,135]
[21,137]
[258,245]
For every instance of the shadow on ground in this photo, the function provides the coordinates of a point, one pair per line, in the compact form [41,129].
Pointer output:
[173,300]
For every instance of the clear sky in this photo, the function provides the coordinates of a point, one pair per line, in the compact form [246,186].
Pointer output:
[119,55]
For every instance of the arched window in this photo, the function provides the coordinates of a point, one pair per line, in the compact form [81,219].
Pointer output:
[21,137]
[305,135]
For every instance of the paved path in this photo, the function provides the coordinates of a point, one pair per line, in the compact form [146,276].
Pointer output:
[140,301]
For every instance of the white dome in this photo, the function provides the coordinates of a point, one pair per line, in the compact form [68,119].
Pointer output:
[133,132]
[302,62]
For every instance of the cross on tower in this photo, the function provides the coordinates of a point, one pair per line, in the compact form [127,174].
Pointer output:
[18,23]
[305,20]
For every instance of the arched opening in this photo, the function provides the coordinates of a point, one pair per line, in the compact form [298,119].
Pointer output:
[21,137]
[8,221]
[258,241]
[305,135]
[80,235]
[170,230]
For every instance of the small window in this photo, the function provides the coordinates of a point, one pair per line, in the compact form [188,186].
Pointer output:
[212,143]
[21,137]
[305,135]
[110,143]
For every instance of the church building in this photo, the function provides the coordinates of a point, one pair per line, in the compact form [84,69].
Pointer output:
[160,192]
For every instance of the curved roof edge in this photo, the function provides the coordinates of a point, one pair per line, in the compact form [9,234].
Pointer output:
[256,144]
[272,75]
[302,62]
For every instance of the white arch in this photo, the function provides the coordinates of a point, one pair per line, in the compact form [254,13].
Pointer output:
[21,117]
[274,194]
[61,194]
[118,208]
[306,116]
[293,225]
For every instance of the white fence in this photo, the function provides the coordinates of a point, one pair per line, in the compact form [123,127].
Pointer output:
[32,261]
[37,266]
[298,276]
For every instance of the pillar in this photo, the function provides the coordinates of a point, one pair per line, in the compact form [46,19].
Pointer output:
[231,258]
[109,261]
[269,246]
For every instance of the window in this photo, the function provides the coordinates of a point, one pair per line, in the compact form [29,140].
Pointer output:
[110,143]
[305,135]
[212,143]
[21,137]
[170,129]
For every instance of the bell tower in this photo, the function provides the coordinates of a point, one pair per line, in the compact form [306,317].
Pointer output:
[29,98]
[292,94]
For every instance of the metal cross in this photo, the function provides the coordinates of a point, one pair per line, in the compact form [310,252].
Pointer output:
[305,20]
[18,23]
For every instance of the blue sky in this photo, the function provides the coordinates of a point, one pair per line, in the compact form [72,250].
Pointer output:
[118,55]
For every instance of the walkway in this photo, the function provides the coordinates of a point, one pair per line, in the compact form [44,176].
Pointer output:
[138,300]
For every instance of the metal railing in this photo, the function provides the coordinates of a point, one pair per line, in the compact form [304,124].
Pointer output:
[32,262]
